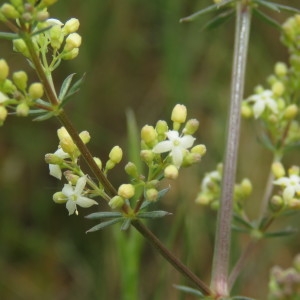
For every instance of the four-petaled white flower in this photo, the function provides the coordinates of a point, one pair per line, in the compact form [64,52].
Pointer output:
[55,170]
[261,101]
[176,145]
[75,196]
[291,186]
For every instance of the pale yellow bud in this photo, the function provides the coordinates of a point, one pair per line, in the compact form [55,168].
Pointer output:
[116,154]
[20,79]
[53,159]
[4,69]
[85,136]
[70,54]
[9,11]
[42,16]
[22,109]
[200,149]
[246,111]
[178,115]
[278,169]
[278,88]
[66,141]
[191,126]
[151,195]
[126,191]
[147,156]
[56,36]
[60,198]
[36,90]
[293,203]
[280,69]
[131,170]
[98,162]
[148,135]
[276,203]
[20,46]
[246,187]
[116,202]
[71,26]
[171,172]
[3,114]
[294,170]
[291,112]
[72,41]
[71,177]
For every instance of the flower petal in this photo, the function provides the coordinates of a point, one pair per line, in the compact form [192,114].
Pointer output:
[172,135]
[288,193]
[71,207]
[258,108]
[68,190]
[162,147]
[85,202]
[81,182]
[55,170]
[177,156]
[187,141]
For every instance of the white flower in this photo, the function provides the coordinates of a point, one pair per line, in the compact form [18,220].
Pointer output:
[261,101]
[75,196]
[291,186]
[55,170]
[176,145]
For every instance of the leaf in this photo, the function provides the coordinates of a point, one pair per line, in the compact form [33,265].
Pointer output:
[145,204]
[199,13]
[105,224]
[65,86]
[41,30]
[241,298]
[266,19]
[239,229]
[189,290]
[265,141]
[219,19]
[161,193]
[153,214]
[277,7]
[104,215]
[45,116]
[286,232]
[126,224]
[9,36]
[240,220]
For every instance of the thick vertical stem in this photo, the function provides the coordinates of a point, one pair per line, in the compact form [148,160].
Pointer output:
[219,283]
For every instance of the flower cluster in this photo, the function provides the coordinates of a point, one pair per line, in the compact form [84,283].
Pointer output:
[288,196]
[210,191]
[15,94]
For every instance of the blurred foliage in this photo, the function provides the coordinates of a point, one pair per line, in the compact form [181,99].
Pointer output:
[136,55]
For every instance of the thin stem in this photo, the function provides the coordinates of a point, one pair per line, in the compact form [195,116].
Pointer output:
[177,264]
[219,282]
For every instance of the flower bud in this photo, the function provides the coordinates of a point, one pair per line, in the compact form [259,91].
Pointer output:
[149,135]
[20,46]
[3,98]
[151,195]
[4,69]
[71,177]
[131,170]
[291,112]
[161,127]
[200,149]
[179,113]
[203,199]
[281,69]
[98,162]
[53,159]
[71,26]
[3,114]
[126,191]
[60,198]
[36,90]
[276,203]
[293,203]
[246,187]
[171,172]
[246,111]
[66,141]
[116,202]
[85,136]
[20,80]
[191,126]
[278,88]
[294,170]
[42,16]
[9,11]
[190,159]
[56,36]
[116,154]
[278,169]
[72,41]
[22,109]
[147,156]
[70,54]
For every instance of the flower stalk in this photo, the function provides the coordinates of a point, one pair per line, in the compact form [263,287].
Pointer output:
[219,282]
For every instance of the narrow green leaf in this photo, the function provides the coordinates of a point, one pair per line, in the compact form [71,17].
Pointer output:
[265,141]
[268,4]
[126,224]
[105,224]
[189,290]
[199,13]
[153,214]
[161,193]
[41,30]
[44,116]
[219,19]
[9,36]
[239,229]
[145,204]
[65,86]
[43,102]
[241,298]
[288,8]
[286,232]
[266,18]
[240,220]
[104,215]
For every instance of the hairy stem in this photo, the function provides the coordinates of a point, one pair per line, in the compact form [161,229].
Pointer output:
[178,265]
[219,282]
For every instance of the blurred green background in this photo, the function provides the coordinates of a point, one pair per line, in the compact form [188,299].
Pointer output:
[136,55]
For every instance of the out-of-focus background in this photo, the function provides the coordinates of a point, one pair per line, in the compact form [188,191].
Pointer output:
[136,55]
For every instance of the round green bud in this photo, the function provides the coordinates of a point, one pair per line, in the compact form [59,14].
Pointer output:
[126,191]
[70,54]
[20,80]
[200,149]
[131,170]
[9,11]
[246,187]
[276,203]
[161,127]
[294,170]
[151,195]
[71,26]
[60,198]
[3,114]
[116,154]
[22,109]
[72,41]
[278,169]
[42,16]
[293,203]
[246,111]
[53,159]
[20,46]
[56,36]
[278,88]
[147,156]
[171,172]
[203,199]
[149,135]
[71,177]
[4,69]
[291,112]
[280,69]
[36,90]
[191,126]
[116,202]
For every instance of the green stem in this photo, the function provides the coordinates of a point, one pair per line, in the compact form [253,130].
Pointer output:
[177,264]
[219,282]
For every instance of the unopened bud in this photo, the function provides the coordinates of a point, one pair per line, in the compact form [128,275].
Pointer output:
[60,198]
[151,195]
[179,113]
[171,172]
[131,170]
[278,88]
[294,170]
[9,11]
[56,36]
[53,159]
[98,162]
[246,187]
[70,54]
[42,16]
[126,191]
[116,202]
[148,135]
[278,170]
[147,156]
[20,46]
[4,69]
[200,149]
[291,112]
[85,136]
[281,69]
[22,109]
[71,26]
[116,154]
[3,114]
[20,80]
[72,41]
[71,177]
[246,111]
[191,126]
[161,129]
[36,90]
